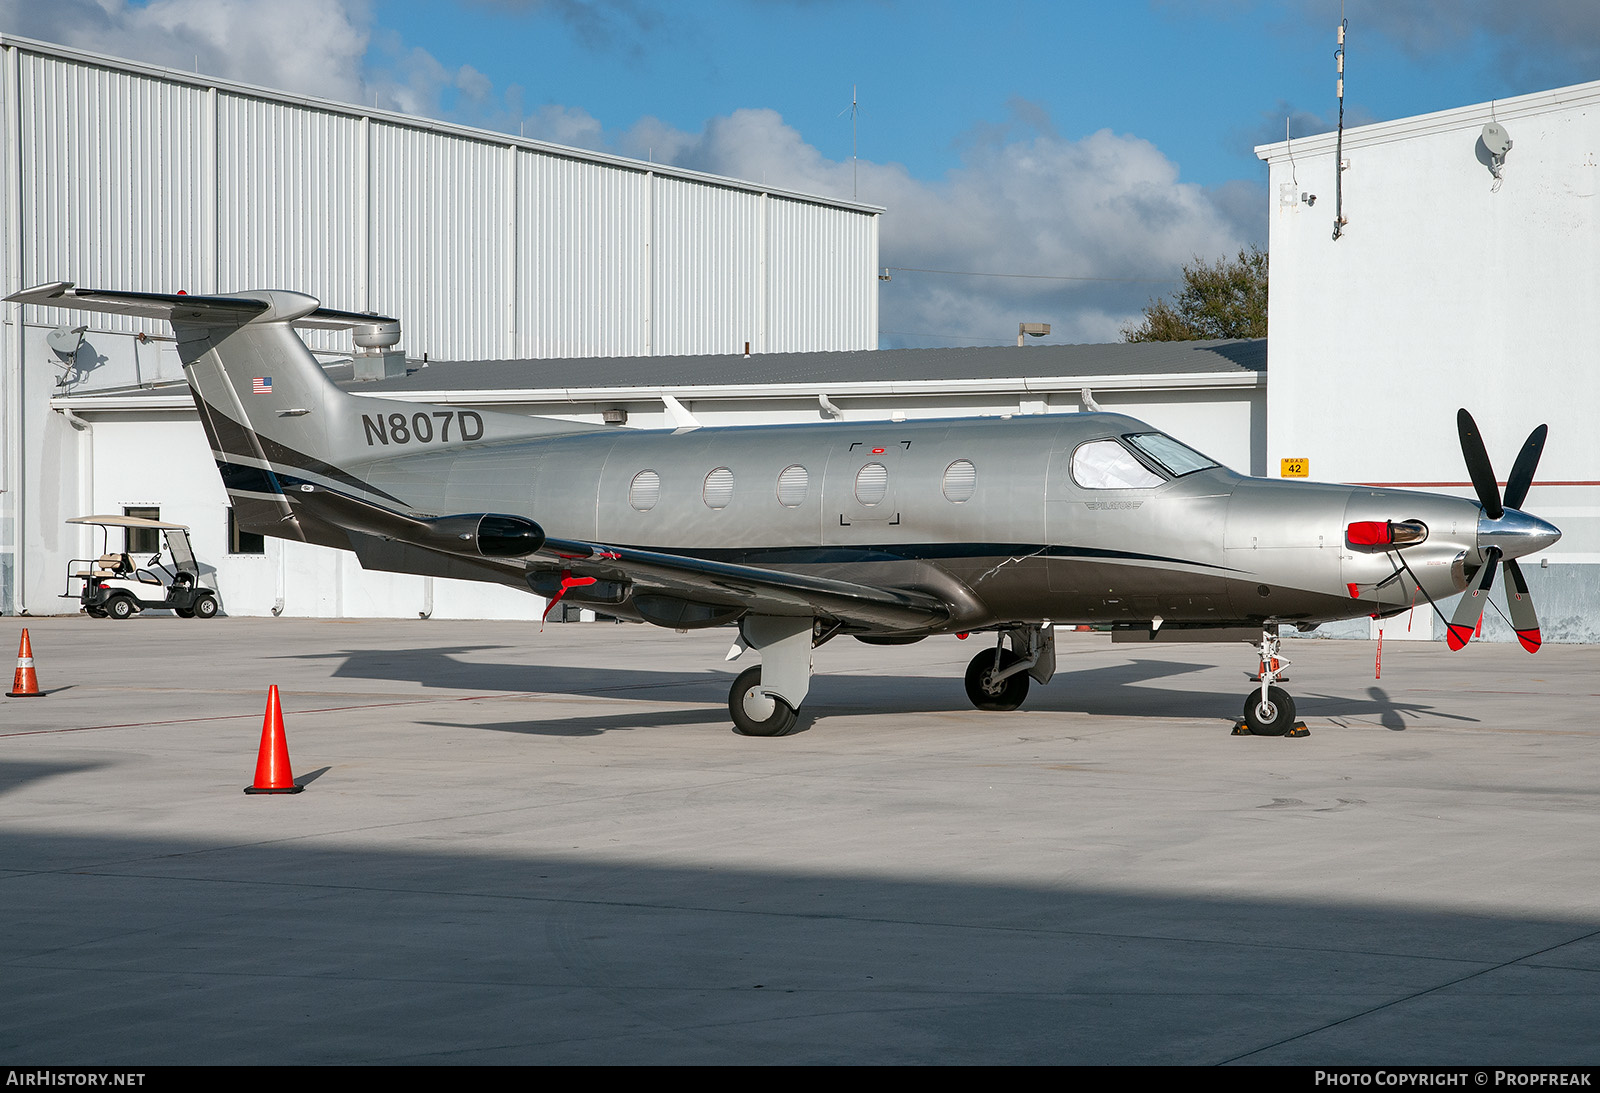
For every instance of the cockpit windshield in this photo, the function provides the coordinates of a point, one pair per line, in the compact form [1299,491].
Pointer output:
[1174,458]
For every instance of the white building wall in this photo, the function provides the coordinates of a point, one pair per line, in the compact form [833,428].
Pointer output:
[1446,290]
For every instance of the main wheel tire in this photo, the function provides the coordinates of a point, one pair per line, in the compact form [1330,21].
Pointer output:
[96,612]
[757,714]
[1274,717]
[205,607]
[989,695]
[120,607]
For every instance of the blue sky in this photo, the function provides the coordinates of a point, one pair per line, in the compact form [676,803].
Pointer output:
[1068,139]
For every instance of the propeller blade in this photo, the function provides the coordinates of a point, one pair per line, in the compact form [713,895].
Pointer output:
[1522,470]
[1478,467]
[1523,619]
[1470,609]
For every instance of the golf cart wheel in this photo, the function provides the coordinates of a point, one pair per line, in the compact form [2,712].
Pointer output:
[96,612]
[120,607]
[183,612]
[205,607]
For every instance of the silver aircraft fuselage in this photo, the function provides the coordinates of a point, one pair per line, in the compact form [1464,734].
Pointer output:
[1209,548]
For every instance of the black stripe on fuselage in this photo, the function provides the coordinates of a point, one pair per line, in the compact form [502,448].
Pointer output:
[246,479]
[230,438]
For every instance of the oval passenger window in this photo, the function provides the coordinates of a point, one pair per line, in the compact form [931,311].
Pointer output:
[645,490]
[960,481]
[719,488]
[793,482]
[872,482]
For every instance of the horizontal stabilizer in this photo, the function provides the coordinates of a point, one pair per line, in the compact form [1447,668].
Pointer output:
[272,304]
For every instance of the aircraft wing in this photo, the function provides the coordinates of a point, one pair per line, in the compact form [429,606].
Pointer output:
[760,590]
[678,579]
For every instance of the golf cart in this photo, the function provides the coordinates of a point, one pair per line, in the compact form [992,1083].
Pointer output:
[115,586]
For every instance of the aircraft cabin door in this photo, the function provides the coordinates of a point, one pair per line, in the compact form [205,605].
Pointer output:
[862,490]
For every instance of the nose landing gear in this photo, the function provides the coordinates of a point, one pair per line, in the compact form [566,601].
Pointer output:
[1269,710]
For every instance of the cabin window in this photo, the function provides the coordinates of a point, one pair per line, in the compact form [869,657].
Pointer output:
[1107,465]
[645,490]
[872,483]
[793,482]
[719,488]
[960,481]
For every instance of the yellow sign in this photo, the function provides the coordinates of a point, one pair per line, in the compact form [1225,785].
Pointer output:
[1294,468]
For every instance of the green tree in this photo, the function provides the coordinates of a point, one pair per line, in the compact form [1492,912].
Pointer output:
[1227,299]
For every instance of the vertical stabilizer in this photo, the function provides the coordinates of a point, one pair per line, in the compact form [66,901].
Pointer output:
[278,427]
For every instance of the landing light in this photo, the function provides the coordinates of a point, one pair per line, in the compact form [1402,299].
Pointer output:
[1383,534]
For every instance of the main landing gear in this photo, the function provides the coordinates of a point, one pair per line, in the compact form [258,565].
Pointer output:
[1269,710]
[765,700]
[997,679]
[757,712]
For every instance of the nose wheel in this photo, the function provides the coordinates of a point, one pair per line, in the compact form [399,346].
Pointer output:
[1271,714]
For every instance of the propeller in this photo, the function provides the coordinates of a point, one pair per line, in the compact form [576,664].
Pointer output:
[1469,611]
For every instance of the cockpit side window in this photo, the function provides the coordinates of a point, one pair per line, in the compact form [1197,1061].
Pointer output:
[1175,458]
[1107,465]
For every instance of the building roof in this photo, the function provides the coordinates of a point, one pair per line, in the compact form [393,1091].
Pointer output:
[1243,359]
[1583,96]
[1240,363]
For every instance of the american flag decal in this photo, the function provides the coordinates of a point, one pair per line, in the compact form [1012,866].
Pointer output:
[261,385]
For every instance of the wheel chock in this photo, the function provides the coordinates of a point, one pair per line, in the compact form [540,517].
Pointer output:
[1297,729]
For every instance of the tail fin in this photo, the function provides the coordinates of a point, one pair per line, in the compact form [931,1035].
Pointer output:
[274,419]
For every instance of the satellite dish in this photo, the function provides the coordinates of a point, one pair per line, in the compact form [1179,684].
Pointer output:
[1496,140]
[64,341]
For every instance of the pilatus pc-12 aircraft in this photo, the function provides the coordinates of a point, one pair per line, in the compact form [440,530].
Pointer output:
[883,531]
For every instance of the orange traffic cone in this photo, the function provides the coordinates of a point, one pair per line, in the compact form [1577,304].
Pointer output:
[26,684]
[272,766]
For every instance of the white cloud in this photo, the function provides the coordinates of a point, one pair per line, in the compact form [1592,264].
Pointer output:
[314,47]
[1106,206]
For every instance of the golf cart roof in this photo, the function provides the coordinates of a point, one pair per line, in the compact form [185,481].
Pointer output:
[128,522]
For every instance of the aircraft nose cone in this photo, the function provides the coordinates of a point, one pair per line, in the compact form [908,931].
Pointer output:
[1516,533]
